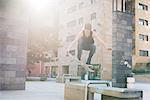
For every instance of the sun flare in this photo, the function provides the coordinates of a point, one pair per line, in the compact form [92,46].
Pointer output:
[39,4]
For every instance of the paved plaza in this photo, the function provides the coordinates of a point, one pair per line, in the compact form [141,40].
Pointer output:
[146,89]
[52,91]
[36,91]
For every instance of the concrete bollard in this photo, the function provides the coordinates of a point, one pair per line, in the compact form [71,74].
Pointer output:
[130,82]
[86,77]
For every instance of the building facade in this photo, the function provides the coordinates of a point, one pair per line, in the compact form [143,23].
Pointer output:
[75,13]
[141,45]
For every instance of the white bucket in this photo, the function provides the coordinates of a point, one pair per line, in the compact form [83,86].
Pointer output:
[130,82]
[86,77]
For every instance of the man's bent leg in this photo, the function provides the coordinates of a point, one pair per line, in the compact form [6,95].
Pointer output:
[92,51]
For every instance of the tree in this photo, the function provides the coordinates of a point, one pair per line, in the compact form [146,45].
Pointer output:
[40,42]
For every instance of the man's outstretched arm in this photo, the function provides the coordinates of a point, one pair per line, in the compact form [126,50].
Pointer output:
[100,40]
[75,40]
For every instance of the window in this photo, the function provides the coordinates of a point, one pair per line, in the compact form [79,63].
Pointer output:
[93,16]
[80,21]
[143,53]
[143,37]
[72,9]
[143,22]
[128,6]
[93,1]
[71,23]
[70,38]
[143,7]
[72,52]
[81,5]
[123,6]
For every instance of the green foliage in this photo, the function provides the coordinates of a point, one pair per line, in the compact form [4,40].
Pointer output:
[43,77]
[148,66]
[143,68]
[141,71]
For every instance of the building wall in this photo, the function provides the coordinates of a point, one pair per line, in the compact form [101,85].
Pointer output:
[13,43]
[36,70]
[140,29]
[102,23]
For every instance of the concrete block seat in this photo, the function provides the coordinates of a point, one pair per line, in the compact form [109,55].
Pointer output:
[68,78]
[86,90]
[113,93]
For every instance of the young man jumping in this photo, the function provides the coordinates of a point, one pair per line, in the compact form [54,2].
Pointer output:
[86,42]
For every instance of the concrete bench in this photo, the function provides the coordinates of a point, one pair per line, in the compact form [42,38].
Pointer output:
[78,91]
[64,77]
[72,79]
[68,78]
[111,93]
[84,91]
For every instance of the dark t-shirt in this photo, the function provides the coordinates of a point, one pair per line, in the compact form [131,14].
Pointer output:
[86,40]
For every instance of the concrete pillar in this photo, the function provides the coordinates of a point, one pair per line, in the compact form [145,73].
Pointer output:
[122,48]
[13,43]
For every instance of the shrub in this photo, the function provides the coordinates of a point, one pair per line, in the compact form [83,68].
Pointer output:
[139,71]
[43,77]
[148,66]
